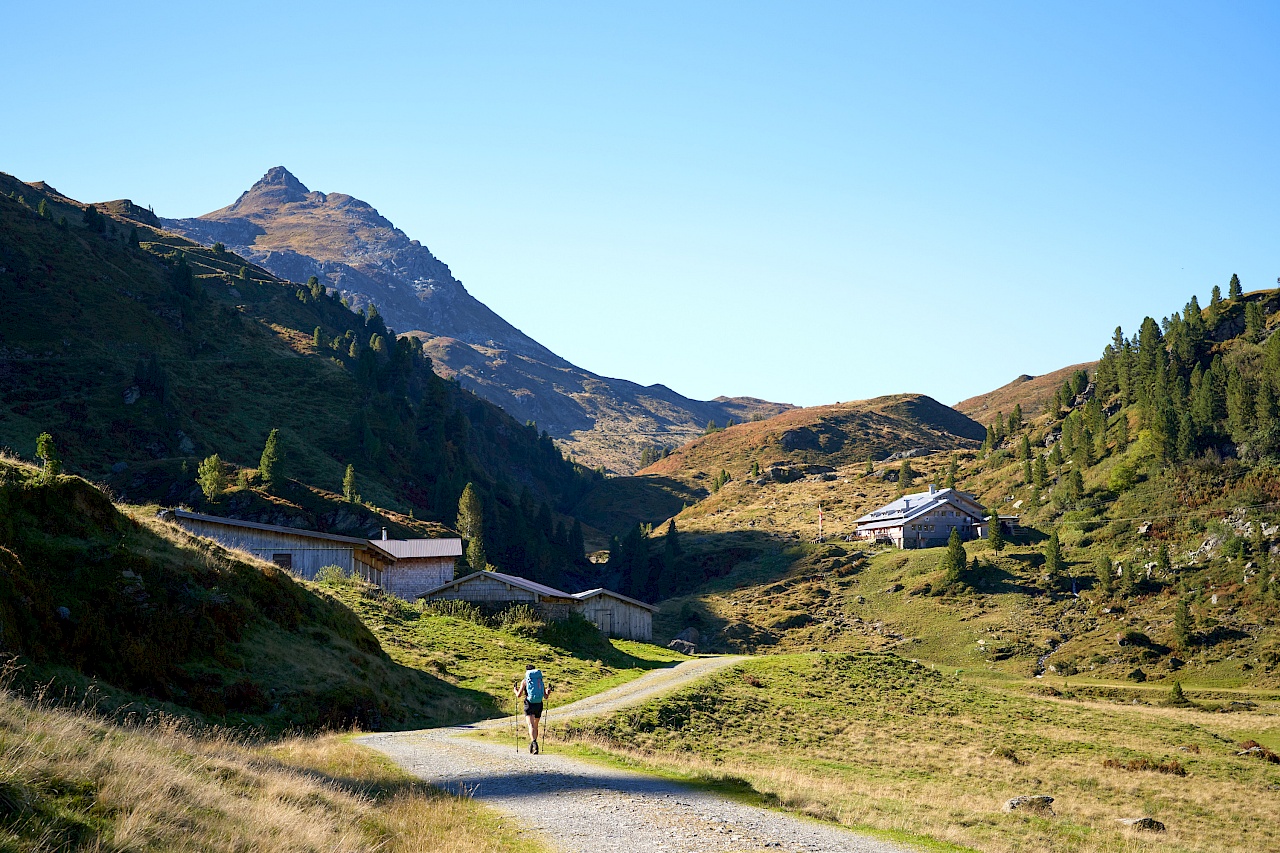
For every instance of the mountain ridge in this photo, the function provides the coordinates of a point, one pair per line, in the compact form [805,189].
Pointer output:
[295,233]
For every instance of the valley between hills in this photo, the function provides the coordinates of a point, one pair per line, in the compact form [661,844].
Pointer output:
[1116,650]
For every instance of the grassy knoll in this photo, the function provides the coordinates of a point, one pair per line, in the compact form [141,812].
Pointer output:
[874,740]
[485,657]
[69,781]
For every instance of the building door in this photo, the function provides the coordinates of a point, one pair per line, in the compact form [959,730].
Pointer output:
[605,621]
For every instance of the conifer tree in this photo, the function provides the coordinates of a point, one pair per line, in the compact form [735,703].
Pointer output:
[1028,476]
[1041,472]
[995,536]
[870,469]
[1106,576]
[349,485]
[953,562]
[1053,562]
[953,469]
[1216,296]
[1183,627]
[44,211]
[470,526]
[1024,448]
[211,477]
[1234,290]
[577,546]
[269,463]
[906,476]
[317,338]
[47,453]
[1163,564]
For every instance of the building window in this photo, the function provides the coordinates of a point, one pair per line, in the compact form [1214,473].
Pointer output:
[284,561]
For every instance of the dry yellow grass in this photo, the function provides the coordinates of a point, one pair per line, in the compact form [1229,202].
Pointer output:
[70,782]
[876,742]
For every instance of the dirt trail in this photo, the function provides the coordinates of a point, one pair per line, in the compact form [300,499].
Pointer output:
[577,806]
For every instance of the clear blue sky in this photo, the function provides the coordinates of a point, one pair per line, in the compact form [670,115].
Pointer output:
[807,202]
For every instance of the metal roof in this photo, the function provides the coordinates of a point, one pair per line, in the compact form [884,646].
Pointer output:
[908,507]
[592,593]
[292,531]
[405,549]
[539,589]
[510,580]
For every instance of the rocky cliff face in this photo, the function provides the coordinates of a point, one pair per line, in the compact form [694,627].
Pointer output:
[297,233]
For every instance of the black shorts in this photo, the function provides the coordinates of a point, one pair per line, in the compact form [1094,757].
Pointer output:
[532,709]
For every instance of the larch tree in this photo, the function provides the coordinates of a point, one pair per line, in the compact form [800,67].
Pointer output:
[349,485]
[269,463]
[1234,290]
[211,477]
[471,527]
[50,464]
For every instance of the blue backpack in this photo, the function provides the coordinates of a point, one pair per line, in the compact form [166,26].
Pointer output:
[534,689]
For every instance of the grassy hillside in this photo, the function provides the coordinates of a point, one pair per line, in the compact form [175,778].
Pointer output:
[120,605]
[1033,393]
[73,782]
[143,353]
[822,435]
[873,740]
[485,656]
[115,604]
[1163,499]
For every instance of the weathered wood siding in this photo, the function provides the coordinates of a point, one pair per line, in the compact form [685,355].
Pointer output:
[617,618]
[306,555]
[483,590]
[412,576]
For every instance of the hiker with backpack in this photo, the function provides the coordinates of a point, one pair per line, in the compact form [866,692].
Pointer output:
[534,689]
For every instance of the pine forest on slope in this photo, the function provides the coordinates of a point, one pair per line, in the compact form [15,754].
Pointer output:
[154,352]
[296,233]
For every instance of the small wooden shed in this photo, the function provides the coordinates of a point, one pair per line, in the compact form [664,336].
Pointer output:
[496,589]
[614,614]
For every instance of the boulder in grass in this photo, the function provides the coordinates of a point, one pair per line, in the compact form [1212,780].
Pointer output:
[684,647]
[1146,824]
[1036,805]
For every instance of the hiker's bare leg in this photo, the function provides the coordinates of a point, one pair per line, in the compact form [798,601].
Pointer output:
[533,726]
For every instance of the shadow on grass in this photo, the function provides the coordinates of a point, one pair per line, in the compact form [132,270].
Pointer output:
[994,580]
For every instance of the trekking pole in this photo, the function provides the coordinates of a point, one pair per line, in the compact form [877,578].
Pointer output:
[515,718]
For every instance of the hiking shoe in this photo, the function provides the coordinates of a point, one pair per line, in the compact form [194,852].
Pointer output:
[533,747]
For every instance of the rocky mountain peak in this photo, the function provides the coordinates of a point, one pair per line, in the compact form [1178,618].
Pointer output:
[277,187]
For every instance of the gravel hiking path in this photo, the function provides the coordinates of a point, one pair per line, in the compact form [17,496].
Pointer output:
[574,805]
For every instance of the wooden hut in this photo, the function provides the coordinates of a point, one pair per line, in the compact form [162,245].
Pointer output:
[495,590]
[301,552]
[614,614]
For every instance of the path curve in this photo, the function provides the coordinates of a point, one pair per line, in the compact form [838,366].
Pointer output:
[580,807]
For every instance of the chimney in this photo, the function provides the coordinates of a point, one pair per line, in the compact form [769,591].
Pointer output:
[384,534]
[932,489]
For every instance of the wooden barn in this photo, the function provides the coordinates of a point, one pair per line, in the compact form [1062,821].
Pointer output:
[614,614]
[402,567]
[302,552]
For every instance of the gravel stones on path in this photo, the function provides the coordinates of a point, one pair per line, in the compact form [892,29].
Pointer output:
[579,806]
